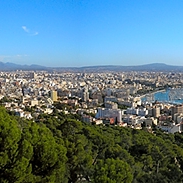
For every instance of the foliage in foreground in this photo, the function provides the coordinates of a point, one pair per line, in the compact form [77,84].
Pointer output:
[63,149]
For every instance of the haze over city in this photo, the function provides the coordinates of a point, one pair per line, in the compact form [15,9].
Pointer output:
[81,33]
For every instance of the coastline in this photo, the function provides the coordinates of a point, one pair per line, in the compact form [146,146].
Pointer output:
[153,92]
[164,96]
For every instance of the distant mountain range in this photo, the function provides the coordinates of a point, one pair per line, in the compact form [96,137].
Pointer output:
[11,66]
[148,67]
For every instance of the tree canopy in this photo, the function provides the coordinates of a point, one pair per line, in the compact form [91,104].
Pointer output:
[62,149]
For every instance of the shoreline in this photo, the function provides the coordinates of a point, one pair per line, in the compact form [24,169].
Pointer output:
[162,100]
[153,92]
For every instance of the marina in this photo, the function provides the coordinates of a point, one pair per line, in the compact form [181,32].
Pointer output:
[171,95]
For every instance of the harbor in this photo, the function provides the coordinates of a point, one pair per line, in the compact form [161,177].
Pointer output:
[170,95]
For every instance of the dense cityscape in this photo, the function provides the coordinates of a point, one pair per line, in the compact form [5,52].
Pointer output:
[99,98]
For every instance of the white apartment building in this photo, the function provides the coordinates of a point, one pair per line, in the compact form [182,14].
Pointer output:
[109,113]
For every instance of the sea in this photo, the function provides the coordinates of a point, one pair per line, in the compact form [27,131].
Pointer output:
[170,95]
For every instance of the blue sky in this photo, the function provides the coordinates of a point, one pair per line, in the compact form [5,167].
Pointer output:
[91,32]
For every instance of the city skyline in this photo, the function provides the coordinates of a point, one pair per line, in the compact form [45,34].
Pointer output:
[82,33]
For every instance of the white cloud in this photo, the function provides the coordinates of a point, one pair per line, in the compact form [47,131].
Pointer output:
[31,33]
[35,34]
[25,29]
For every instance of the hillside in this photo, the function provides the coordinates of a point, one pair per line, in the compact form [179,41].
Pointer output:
[63,149]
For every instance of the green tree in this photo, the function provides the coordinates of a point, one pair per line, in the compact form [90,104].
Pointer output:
[112,171]
[49,158]
[78,150]
[15,152]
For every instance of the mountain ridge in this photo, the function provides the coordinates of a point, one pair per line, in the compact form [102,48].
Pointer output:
[8,66]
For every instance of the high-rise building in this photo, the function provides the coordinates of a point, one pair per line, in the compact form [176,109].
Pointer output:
[156,111]
[177,109]
[54,95]
[85,94]
[33,75]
